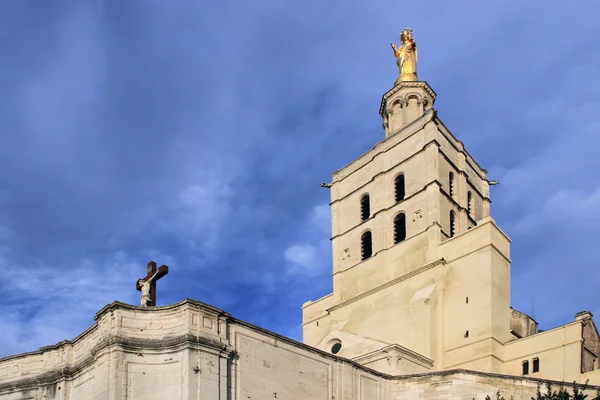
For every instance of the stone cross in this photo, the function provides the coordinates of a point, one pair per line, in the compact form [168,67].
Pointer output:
[147,285]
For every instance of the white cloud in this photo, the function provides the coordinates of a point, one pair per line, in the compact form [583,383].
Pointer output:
[61,118]
[321,219]
[205,202]
[302,255]
[564,207]
[562,156]
[311,254]
[221,105]
[47,303]
[204,209]
[6,232]
[549,203]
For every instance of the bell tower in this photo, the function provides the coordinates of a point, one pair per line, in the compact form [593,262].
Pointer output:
[420,269]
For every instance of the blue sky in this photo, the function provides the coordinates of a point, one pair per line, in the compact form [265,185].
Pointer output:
[196,134]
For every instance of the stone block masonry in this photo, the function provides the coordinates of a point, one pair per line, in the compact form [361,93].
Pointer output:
[191,350]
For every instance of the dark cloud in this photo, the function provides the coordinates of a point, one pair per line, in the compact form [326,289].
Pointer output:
[196,134]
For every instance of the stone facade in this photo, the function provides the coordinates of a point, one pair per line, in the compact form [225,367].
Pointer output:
[440,289]
[521,324]
[191,350]
[420,307]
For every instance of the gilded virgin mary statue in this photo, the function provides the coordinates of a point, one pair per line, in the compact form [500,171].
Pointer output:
[406,56]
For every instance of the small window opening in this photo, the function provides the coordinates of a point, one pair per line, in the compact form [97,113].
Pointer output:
[451,184]
[317,323]
[399,189]
[466,334]
[452,224]
[536,365]
[399,228]
[336,348]
[365,207]
[467,300]
[525,367]
[469,202]
[366,245]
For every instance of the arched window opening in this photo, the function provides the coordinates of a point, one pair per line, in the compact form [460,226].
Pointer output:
[469,202]
[366,245]
[365,207]
[536,365]
[399,228]
[525,367]
[399,189]
[451,184]
[452,224]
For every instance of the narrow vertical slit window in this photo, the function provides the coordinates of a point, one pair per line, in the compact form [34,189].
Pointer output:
[452,230]
[399,188]
[366,245]
[399,228]
[365,207]
[525,367]
[451,184]
[536,365]
[469,203]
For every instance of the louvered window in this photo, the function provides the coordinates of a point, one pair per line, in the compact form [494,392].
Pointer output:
[366,245]
[399,190]
[365,208]
[469,202]
[399,228]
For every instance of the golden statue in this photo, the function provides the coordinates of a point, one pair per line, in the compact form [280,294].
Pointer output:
[407,56]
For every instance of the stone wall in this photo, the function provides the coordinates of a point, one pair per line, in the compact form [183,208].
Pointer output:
[521,324]
[591,342]
[557,350]
[191,350]
[462,384]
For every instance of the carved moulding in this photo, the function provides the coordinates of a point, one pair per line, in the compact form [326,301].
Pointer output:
[69,372]
[423,86]
[393,354]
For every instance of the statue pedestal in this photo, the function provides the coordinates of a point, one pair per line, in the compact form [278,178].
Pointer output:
[406,78]
[404,103]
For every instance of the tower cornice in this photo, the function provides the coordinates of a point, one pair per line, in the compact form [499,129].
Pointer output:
[404,85]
